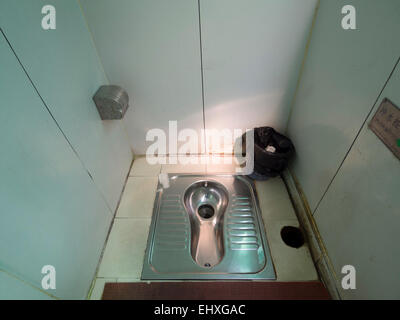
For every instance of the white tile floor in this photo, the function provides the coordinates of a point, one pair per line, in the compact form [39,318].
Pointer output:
[141,168]
[194,165]
[123,256]
[138,198]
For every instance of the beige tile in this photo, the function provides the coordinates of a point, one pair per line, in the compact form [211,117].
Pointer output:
[194,165]
[223,165]
[138,198]
[274,200]
[98,288]
[124,253]
[142,168]
[291,264]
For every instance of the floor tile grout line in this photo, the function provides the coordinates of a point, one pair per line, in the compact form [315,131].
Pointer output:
[89,293]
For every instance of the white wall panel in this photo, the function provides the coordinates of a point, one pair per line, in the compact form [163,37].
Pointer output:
[252,52]
[51,211]
[152,49]
[359,218]
[343,75]
[66,70]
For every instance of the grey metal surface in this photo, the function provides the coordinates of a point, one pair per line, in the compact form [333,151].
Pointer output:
[228,242]
[111,102]
[206,202]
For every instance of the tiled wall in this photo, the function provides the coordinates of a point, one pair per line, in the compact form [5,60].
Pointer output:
[152,49]
[238,59]
[252,52]
[343,75]
[62,168]
[66,70]
[359,216]
[352,189]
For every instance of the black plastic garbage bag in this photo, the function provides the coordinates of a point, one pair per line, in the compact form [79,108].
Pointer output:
[272,152]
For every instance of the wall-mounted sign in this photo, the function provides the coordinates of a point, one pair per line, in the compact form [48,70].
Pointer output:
[386,125]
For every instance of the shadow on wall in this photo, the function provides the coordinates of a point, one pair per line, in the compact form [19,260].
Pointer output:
[362,207]
[275,103]
[326,134]
[221,116]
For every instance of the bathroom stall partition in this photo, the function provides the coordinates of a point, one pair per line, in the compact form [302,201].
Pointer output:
[347,174]
[62,168]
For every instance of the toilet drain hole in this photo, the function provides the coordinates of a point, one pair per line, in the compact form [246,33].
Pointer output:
[206,211]
[207,265]
[292,236]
